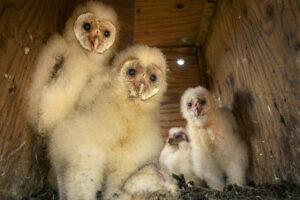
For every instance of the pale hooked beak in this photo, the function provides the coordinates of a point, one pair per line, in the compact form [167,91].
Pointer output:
[96,43]
[144,93]
[149,95]
[141,89]
[94,40]
[196,111]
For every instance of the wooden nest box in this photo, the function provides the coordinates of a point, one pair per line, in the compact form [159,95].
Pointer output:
[246,52]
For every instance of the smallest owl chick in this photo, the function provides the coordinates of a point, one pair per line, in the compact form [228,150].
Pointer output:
[150,179]
[217,149]
[176,155]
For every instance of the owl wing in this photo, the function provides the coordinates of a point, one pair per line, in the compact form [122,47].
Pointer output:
[68,81]
[47,65]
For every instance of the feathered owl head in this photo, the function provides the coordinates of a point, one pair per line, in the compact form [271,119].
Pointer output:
[197,103]
[177,135]
[93,26]
[142,72]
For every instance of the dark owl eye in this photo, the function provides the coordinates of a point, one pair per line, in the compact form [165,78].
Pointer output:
[153,77]
[203,102]
[87,26]
[106,33]
[189,104]
[178,136]
[131,72]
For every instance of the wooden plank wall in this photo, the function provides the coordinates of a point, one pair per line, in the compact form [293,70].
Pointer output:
[205,21]
[179,78]
[25,26]
[175,27]
[253,54]
[165,23]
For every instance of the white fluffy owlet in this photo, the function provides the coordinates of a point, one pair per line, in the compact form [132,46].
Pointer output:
[217,148]
[71,69]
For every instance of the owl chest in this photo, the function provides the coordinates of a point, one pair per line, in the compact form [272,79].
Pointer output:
[135,134]
[136,145]
[129,134]
[205,139]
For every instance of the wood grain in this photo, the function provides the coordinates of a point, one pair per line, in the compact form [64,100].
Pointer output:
[125,11]
[205,21]
[179,78]
[253,54]
[25,26]
[164,23]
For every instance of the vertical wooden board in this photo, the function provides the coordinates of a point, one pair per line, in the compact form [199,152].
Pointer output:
[179,78]
[205,21]
[25,26]
[125,11]
[253,55]
[165,23]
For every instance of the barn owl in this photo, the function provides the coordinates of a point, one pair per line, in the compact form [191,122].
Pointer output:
[217,148]
[71,68]
[176,155]
[118,136]
[150,179]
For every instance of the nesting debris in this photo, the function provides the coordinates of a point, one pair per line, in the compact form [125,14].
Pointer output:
[16,150]
[46,194]
[26,50]
[155,196]
[188,191]
[284,190]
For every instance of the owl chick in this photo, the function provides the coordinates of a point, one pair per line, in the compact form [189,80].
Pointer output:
[176,155]
[150,179]
[118,136]
[217,148]
[70,63]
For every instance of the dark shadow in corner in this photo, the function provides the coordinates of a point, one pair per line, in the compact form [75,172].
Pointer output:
[41,165]
[241,106]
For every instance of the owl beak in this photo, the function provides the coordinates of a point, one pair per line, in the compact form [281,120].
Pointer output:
[143,91]
[141,88]
[196,112]
[197,109]
[95,40]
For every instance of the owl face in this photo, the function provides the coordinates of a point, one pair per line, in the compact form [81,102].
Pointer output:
[176,135]
[142,82]
[196,103]
[94,34]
